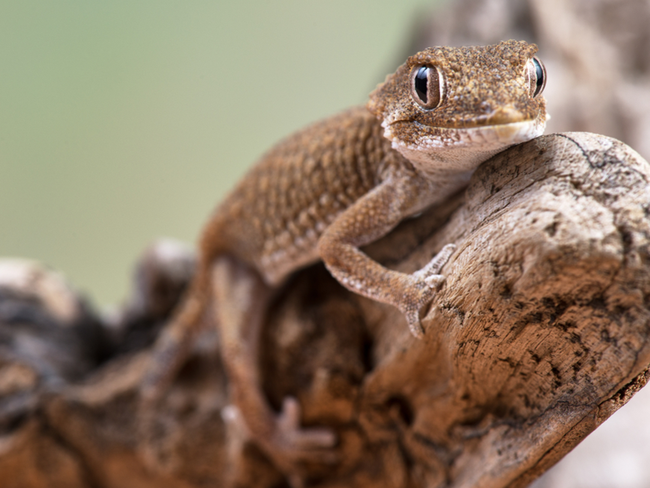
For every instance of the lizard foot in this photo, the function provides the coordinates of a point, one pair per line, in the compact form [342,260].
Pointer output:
[289,444]
[427,281]
[430,273]
[298,443]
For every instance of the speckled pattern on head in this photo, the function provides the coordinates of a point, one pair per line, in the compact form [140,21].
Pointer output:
[480,82]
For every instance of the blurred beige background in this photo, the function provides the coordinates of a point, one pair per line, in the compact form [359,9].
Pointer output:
[124,121]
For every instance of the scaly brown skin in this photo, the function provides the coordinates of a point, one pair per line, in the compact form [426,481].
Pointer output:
[338,185]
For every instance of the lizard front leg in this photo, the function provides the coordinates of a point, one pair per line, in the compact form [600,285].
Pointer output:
[240,301]
[368,219]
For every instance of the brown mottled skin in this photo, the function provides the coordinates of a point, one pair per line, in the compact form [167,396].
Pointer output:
[333,187]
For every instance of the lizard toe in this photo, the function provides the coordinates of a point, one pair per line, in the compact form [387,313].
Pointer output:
[434,281]
[293,444]
[415,326]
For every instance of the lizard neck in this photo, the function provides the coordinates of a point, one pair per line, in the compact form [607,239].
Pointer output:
[447,169]
[452,155]
[449,165]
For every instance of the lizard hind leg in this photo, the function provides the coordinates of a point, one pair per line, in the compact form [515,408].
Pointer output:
[239,301]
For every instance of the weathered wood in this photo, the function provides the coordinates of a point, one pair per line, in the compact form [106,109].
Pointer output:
[539,333]
[598,61]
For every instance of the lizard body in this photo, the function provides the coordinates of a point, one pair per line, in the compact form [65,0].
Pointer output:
[338,185]
[276,214]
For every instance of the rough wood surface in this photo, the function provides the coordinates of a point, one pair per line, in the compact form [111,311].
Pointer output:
[539,333]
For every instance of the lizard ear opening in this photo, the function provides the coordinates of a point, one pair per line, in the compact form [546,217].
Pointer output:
[427,86]
[536,76]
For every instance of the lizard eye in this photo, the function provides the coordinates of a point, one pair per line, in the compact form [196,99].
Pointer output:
[427,86]
[536,76]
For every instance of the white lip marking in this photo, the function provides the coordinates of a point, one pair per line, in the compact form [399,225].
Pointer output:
[505,134]
[448,153]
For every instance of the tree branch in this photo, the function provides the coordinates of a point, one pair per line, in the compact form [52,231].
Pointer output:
[538,334]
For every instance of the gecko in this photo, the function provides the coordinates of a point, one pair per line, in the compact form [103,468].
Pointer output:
[333,187]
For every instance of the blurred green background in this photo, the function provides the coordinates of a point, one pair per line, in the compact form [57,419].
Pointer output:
[125,121]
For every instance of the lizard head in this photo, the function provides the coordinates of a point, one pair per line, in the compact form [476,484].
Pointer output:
[459,106]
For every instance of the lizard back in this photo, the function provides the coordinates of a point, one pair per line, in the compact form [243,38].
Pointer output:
[273,218]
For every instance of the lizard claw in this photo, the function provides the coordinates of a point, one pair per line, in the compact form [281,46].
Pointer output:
[434,281]
[288,444]
[432,269]
[430,273]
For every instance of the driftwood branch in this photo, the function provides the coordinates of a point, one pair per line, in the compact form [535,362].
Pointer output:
[540,332]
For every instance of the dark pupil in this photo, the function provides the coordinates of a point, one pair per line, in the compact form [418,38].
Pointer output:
[539,73]
[421,83]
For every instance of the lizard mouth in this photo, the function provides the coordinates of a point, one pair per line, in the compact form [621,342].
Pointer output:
[505,116]
[489,135]
[512,132]
[440,152]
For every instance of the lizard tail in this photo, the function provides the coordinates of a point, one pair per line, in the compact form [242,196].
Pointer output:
[172,348]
